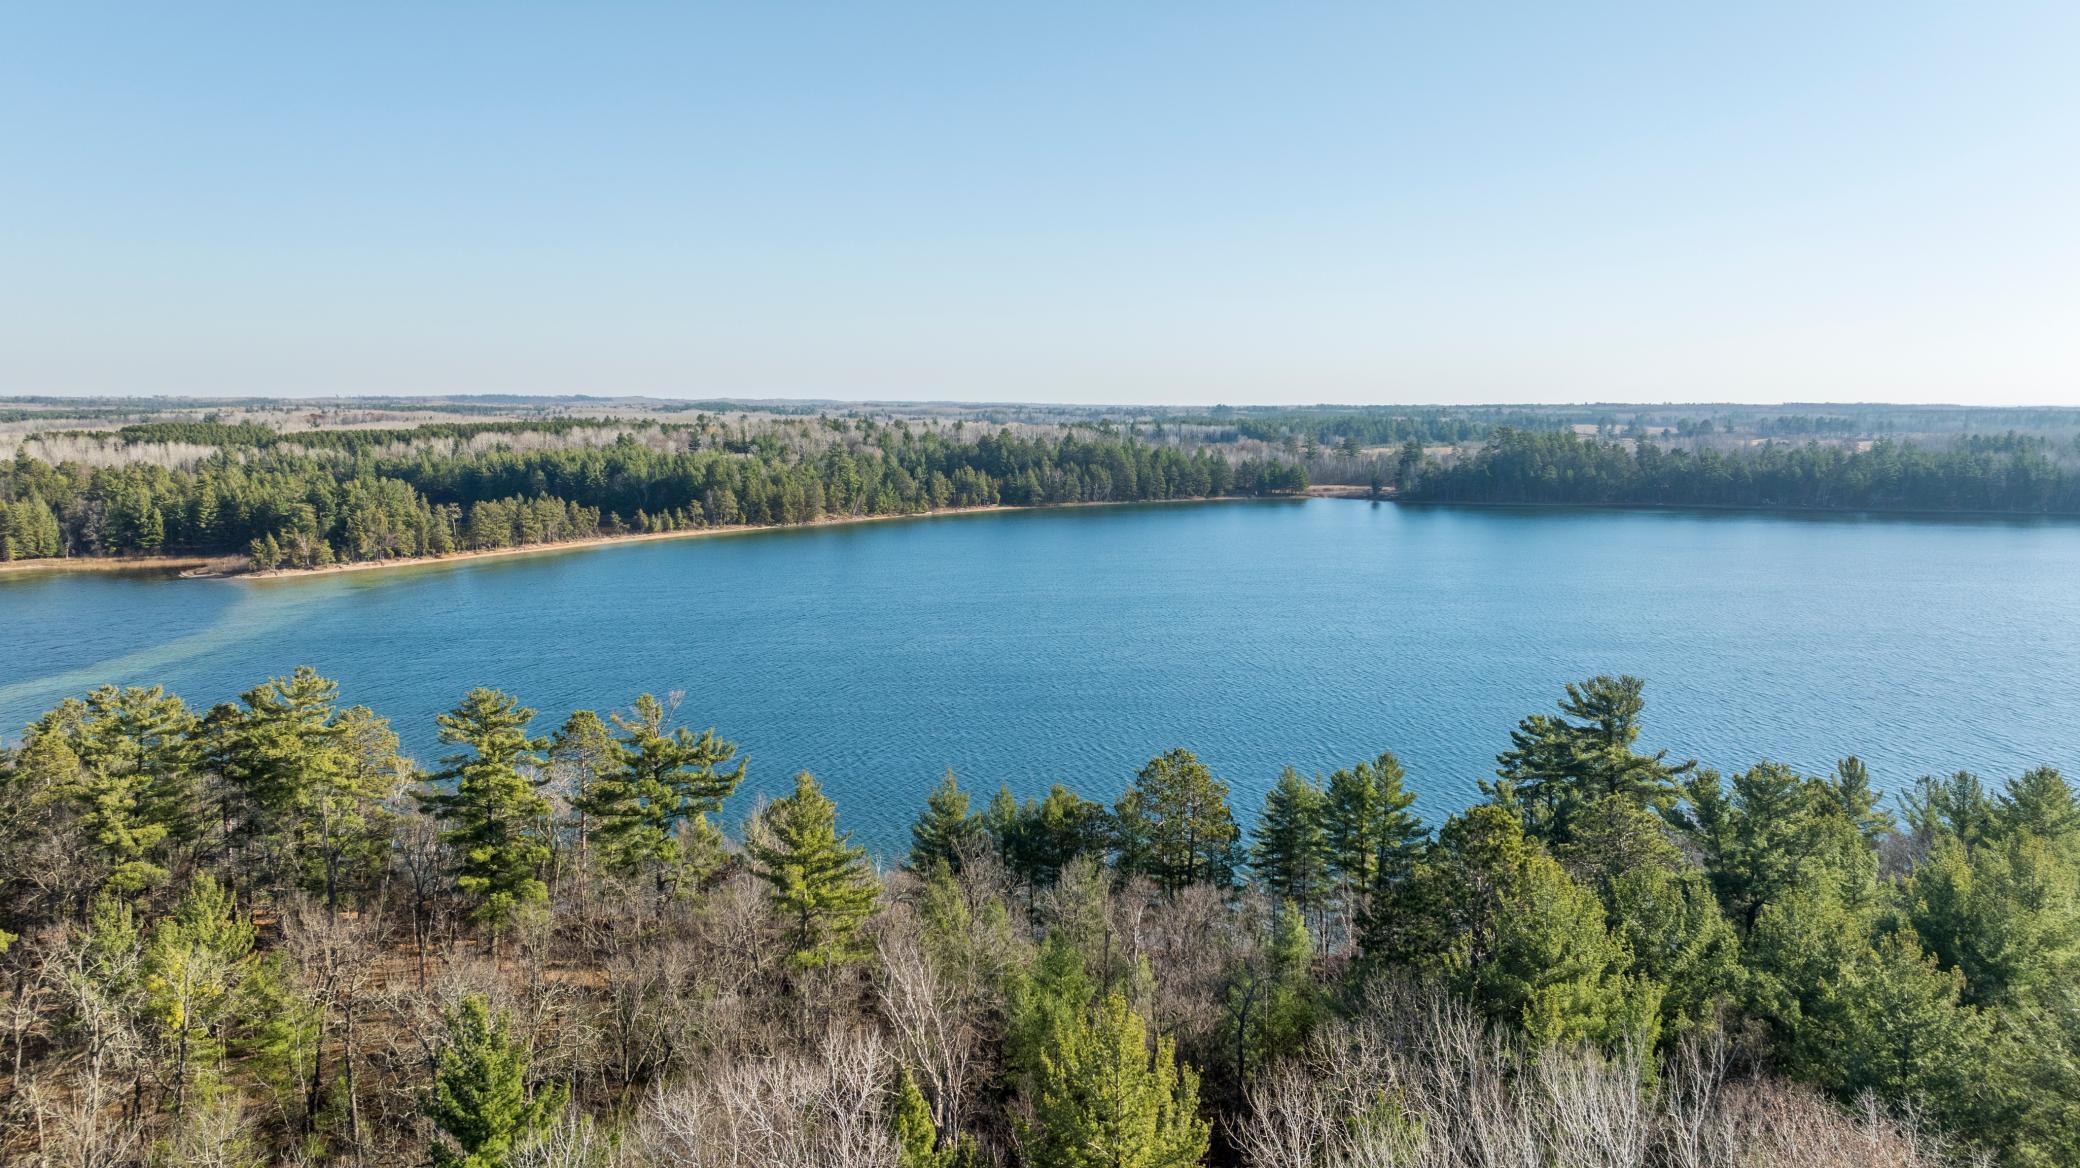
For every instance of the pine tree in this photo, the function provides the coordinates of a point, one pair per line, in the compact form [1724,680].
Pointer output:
[1769,832]
[917,1137]
[1371,841]
[480,1102]
[1525,942]
[308,781]
[665,785]
[945,832]
[1900,1030]
[1103,1101]
[1290,853]
[192,971]
[1271,997]
[1555,765]
[1044,837]
[816,878]
[580,753]
[493,810]
[124,761]
[1175,826]
[2041,803]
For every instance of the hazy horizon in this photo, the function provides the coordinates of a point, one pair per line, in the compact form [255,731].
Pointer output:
[1158,205]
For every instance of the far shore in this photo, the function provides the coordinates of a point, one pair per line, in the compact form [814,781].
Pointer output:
[233,567]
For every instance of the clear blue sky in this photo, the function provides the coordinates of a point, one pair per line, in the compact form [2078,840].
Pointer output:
[1139,202]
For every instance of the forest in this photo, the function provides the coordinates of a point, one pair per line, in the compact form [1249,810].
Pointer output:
[319,497]
[255,934]
[2005,473]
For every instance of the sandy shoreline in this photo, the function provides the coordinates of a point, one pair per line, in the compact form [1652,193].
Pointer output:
[230,566]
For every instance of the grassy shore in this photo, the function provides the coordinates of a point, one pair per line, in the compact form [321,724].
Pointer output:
[211,565]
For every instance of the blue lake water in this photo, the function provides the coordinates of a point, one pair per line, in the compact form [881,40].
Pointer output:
[1033,647]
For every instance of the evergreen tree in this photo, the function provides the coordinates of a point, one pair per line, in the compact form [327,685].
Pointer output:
[945,832]
[2005,914]
[493,810]
[1101,1099]
[123,761]
[580,753]
[816,878]
[1554,765]
[917,1137]
[1772,831]
[1290,853]
[307,781]
[1372,841]
[1043,1000]
[664,786]
[1044,837]
[1900,1030]
[1659,906]
[1175,826]
[2042,804]
[1527,943]
[481,1104]
[192,971]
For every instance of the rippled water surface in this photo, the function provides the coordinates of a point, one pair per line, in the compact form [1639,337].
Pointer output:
[1028,648]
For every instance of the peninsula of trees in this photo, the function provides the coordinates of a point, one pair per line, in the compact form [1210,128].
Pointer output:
[255,934]
[1993,473]
[328,496]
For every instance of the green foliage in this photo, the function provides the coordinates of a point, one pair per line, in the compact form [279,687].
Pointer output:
[649,810]
[945,832]
[1290,855]
[2004,914]
[481,1103]
[193,968]
[493,810]
[1038,839]
[817,880]
[1367,827]
[1524,466]
[1044,1001]
[1174,824]
[122,761]
[1272,1001]
[1659,907]
[917,1137]
[321,496]
[308,782]
[1103,1100]
[1900,1030]
[1772,831]
[1554,765]
[1527,943]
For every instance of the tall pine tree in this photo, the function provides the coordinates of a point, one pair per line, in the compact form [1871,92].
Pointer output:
[818,881]
[1289,857]
[650,811]
[495,814]
[1175,826]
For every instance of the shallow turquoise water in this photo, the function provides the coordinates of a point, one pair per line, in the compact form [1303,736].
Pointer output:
[1035,647]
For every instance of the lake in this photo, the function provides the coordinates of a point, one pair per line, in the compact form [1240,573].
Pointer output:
[1071,645]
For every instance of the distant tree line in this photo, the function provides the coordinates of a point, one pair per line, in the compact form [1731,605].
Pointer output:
[257,934]
[315,498]
[2011,474]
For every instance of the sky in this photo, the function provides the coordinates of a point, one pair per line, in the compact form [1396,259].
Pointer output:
[1164,203]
